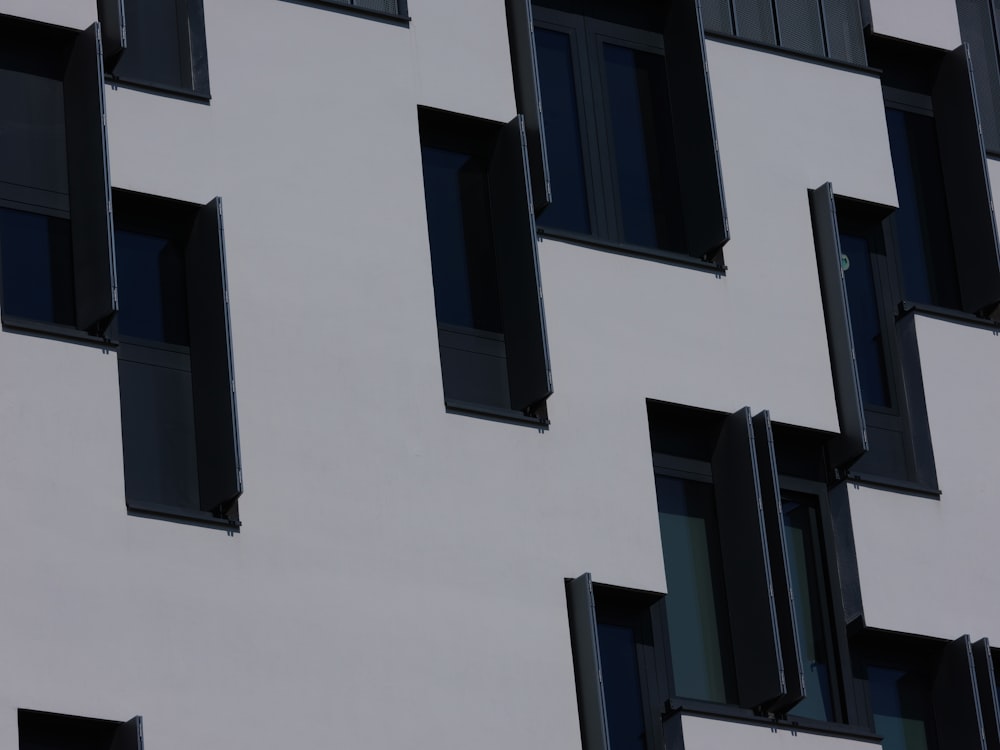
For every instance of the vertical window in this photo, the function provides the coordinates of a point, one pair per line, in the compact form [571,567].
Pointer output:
[44,731]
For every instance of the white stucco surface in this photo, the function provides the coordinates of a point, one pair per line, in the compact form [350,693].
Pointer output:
[930,22]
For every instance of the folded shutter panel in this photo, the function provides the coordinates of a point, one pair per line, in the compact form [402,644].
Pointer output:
[703,201]
[988,702]
[129,735]
[917,421]
[587,661]
[970,201]
[89,184]
[799,26]
[784,600]
[194,26]
[219,471]
[112,16]
[718,16]
[756,647]
[845,37]
[517,267]
[521,30]
[956,699]
[754,21]
[853,440]
[976,22]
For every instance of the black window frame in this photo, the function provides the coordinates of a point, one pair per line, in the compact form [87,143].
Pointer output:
[52,729]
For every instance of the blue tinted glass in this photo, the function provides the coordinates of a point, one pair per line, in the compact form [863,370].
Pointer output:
[700,650]
[622,695]
[152,292]
[639,106]
[902,708]
[568,209]
[922,225]
[462,257]
[37,256]
[862,300]
[809,592]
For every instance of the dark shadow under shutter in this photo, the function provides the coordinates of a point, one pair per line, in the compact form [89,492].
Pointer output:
[784,600]
[220,477]
[970,201]
[703,201]
[129,735]
[956,699]
[918,429]
[756,647]
[521,31]
[852,442]
[516,246]
[112,16]
[587,661]
[89,184]
[987,684]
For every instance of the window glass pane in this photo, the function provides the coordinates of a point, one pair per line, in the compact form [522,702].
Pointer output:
[158,45]
[568,209]
[922,224]
[862,299]
[36,253]
[152,292]
[639,108]
[809,591]
[622,695]
[700,644]
[463,263]
[32,121]
[902,708]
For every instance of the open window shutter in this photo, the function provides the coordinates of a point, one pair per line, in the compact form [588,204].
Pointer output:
[194,26]
[112,16]
[220,477]
[129,735]
[699,170]
[918,427]
[89,184]
[515,240]
[970,201]
[988,702]
[527,90]
[853,440]
[784,604]
[957,711]
[587,661]
[756,646]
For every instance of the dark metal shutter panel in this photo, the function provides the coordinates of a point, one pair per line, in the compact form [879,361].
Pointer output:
[756,642]
[515,240]
[89,184]
[129,735]
[220,477]
[988,701]
[718,16]
[917,425]
[976,23]
[755,21]
[957,712]
[383,6]
[527,91]
[112,16]
[199,47]
[800,27]
[853,439]
[845,35]
[587,661]
[695,140]
[970,201]
[784,600]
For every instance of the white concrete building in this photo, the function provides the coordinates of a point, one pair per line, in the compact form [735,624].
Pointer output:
[727,484]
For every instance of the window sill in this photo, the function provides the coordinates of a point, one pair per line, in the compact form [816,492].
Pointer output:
[494,412]
[648,253]
[945,313]
[717,36]
[902,486]
[353,10]
[162,89]
[184,515]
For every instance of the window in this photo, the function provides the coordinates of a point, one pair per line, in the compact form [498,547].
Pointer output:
[491,326]
[175,367]
[44,731]
[876,363]
[158,44]
[823,28]
[978,22]
[626,154]
[56,249]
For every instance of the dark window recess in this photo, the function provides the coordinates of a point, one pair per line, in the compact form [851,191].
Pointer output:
[620,663]
[175,367]
[38,730]
[822,28]
[885,432]
[924,694]
[491,326]
[626,153]
[56,246]
[978,22]
[156,43]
